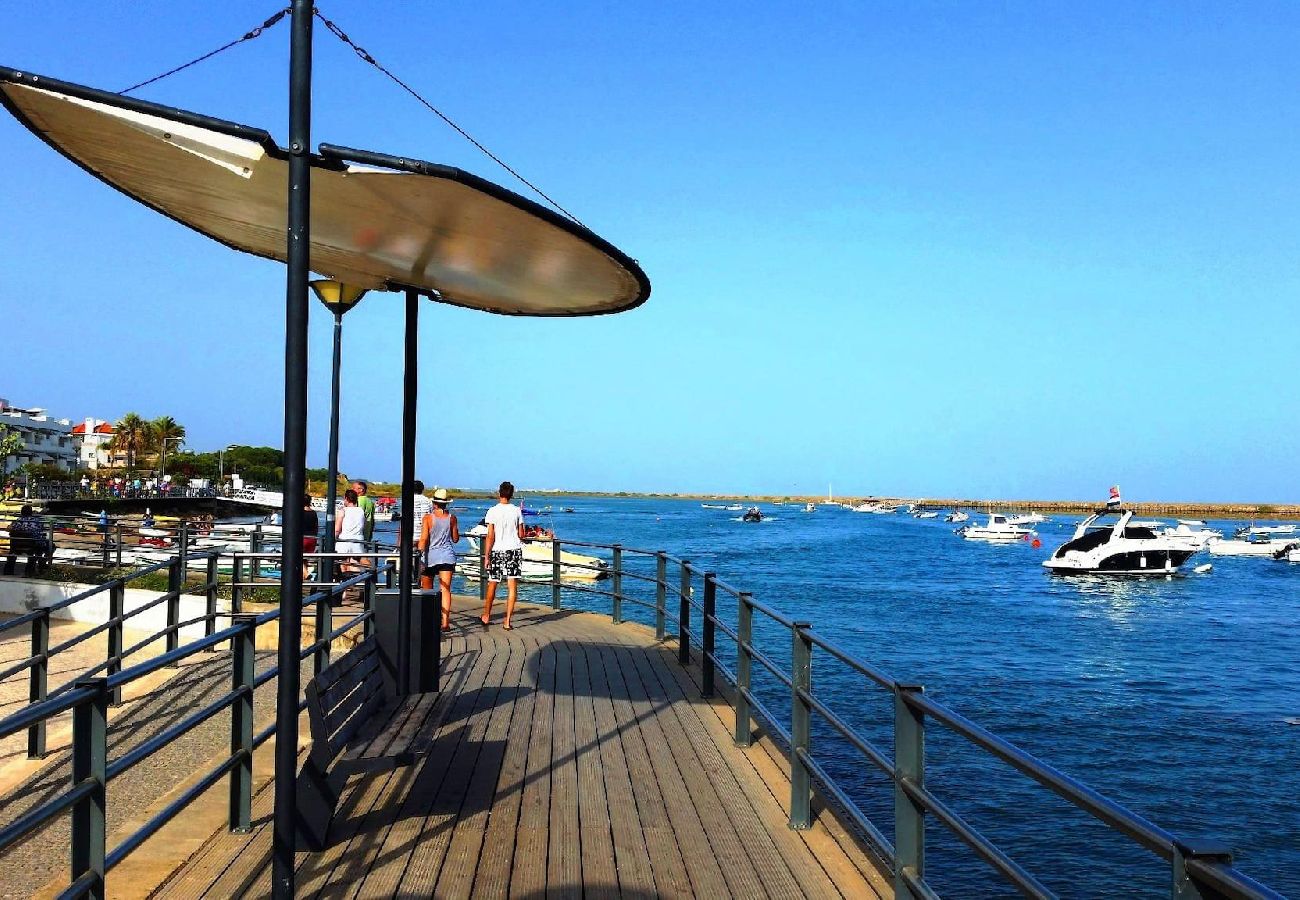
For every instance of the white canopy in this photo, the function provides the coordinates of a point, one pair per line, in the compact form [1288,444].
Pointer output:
[377,221]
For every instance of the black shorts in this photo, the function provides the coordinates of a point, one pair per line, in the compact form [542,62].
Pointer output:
[440,567]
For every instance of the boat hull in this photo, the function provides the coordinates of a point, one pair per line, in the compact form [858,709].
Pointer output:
[1165,561]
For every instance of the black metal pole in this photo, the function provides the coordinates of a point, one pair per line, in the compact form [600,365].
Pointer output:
[406,526]
[331,489]
[295,450]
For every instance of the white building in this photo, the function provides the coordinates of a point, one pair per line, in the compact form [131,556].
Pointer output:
[91,439]
[45,440]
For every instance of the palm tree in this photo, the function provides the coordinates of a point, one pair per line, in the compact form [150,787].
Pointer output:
[130,436]
[165,431]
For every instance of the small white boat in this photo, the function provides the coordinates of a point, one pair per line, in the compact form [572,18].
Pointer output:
[957,516]
[1033,518]
[1288,553]
[1267,530]
[925,514]
[998,529]
[712,506]
[1193,537]
[1256,546]
[810,507]
[735,507]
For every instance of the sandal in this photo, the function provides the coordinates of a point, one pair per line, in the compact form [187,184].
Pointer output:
[507,628]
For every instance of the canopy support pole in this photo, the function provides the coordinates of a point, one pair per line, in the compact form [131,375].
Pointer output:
[406,525]
[326,566]
[295,451]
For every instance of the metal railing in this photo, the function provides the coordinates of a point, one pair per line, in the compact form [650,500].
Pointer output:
[89,696]
[1198,869]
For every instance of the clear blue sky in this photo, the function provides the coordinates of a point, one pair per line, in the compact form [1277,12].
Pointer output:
[1017,249]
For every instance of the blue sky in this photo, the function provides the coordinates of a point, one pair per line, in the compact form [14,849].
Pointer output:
[1015,250]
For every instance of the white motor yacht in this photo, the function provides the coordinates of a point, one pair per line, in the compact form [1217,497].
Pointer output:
[998,529]
[1105,546]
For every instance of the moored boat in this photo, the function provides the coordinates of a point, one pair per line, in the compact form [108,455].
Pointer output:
[998,530]
[1118,547]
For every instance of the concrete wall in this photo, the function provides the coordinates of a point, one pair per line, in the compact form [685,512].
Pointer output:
[21,595]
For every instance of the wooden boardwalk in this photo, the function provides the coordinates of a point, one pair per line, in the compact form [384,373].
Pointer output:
[568,757]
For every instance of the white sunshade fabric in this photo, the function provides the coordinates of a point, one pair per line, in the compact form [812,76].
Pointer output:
[429,227]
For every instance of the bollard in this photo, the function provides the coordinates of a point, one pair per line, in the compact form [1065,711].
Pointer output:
[616,611]
[1185,886]
[909,764]
[116,607]
[800,737]
[661,593]
[243,654]
[210,628]
[707,634]
[38,677]
[174,581]
[89,764]
[744,662]
[555,574]
[684,617]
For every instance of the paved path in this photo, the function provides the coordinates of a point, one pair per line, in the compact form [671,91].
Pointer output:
[568,757]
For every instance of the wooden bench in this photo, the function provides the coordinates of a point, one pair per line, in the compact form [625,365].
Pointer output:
[340,700]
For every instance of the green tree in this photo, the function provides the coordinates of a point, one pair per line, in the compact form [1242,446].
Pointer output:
[10,443]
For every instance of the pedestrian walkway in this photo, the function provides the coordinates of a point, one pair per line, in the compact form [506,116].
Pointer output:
[567,757]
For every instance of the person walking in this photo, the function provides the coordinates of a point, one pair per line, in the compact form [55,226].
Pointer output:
[367,505]
[349,531]
[504,547]
[310,529]
[422,506]
[439,533]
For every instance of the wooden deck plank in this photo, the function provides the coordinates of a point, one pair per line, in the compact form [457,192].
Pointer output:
[456,878]
[528,863]
[599,873]
[492,877]
[631,849]
[564,852]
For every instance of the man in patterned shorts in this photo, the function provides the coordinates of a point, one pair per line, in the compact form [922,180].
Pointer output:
[504,547]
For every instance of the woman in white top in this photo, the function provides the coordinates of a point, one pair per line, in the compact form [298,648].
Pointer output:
[349,530]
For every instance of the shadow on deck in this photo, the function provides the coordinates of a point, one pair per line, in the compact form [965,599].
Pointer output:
[567,757]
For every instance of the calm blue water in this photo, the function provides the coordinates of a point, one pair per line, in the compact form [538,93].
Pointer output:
[1169,696]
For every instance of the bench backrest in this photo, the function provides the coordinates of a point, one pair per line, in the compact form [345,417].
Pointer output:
[342,697]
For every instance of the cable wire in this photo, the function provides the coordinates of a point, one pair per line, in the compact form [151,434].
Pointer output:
[255,33]
[366,57]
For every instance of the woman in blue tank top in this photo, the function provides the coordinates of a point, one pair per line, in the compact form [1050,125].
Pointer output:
[438,536]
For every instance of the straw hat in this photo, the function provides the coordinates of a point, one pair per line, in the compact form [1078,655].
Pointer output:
[440,496]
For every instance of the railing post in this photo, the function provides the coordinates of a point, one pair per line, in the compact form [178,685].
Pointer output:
[39,680]
[800,730]
[616,611]
[744,661]
[482,571]
[185,545]
[89,762]
[707,633]
[243,655]
[555,574]
[175,578]
[661,593]
[118,528]
[104,548]
[210,628]
[236,582]
[324,625]
[909,765]
[1184,884]
[368,601]
[388,572]
[116,607]
[684,617]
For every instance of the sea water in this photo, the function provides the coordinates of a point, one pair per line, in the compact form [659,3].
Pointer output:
[1177,698]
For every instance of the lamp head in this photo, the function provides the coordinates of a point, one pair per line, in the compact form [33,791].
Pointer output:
[337,296]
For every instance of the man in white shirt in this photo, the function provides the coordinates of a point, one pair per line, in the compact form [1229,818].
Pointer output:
[504,547]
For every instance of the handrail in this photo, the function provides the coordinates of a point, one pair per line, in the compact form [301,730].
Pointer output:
[916,799]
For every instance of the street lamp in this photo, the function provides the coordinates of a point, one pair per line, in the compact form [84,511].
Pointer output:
[338,299]
[221,464]
[162,459]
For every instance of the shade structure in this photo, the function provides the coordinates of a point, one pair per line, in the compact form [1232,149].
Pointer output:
[378,221]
